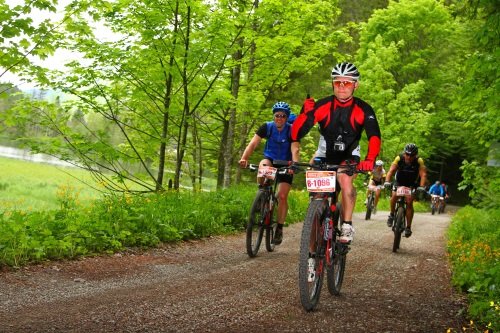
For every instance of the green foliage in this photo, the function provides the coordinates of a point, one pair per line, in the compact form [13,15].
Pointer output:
[396,76]
[483,183]
[476,108]
[474,252]
[21,36]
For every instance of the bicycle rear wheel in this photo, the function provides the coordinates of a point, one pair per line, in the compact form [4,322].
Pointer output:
[255,226]
[271,227]
[398,228]
[312,253]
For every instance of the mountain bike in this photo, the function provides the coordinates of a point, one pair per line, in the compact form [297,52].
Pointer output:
[399,224]
[370,204]
[263,213]
[320,248]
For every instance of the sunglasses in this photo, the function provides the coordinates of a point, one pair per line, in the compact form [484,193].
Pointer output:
[279,115]
[347,84]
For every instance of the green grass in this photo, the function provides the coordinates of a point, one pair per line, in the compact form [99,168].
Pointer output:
[34,187]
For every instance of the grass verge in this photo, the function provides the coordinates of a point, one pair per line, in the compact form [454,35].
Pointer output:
[473,247]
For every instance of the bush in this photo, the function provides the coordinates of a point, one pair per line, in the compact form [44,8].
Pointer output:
[473,247]
[118,221]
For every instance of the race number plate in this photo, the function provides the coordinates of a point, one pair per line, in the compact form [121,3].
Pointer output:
[267,172]
[403,191]
[320,181]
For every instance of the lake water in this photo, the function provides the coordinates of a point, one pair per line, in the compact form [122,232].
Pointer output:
[24,154]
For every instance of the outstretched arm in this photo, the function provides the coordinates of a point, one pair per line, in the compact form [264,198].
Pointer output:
[422,171]
[295,151]
[249,150]
[392,171]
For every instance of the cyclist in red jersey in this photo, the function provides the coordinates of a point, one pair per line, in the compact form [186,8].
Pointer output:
[342,118]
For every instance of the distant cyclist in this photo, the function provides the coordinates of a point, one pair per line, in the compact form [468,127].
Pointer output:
[446,194]
[409,170]
[376,177]
[277,135]
[437,189]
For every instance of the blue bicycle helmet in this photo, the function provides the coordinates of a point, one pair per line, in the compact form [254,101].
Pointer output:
[282,107]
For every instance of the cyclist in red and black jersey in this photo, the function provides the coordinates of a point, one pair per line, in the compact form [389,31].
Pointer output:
[341,118]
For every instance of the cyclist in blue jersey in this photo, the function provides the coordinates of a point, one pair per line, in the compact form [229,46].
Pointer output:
[437,189]
[277,135]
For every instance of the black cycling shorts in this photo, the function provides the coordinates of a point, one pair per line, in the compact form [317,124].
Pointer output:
[341,158]
[287,178]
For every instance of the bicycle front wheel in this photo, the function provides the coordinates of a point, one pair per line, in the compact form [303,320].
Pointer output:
[398,228]
[271,226]
[335,269]
[369,207]
[255,226]
[441,208]
[311,257]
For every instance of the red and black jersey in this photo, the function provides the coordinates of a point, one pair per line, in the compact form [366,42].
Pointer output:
[346,120]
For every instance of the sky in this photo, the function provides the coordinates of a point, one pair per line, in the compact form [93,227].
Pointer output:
[54,62]
[60,57]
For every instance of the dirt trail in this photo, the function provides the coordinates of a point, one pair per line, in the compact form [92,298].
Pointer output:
[212,286]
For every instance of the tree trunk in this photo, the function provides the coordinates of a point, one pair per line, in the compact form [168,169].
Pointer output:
[235,86]
[183,129]
[166,106]
[220,159]
[197,172]
[244,125]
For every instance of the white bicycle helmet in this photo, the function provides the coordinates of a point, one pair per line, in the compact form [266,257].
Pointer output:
[345,69]
[379,163]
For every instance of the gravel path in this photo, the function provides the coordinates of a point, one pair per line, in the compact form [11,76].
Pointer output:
[212,286]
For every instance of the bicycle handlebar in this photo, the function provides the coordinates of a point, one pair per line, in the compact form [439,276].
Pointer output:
[284,166]
[350,168]
[282,170]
